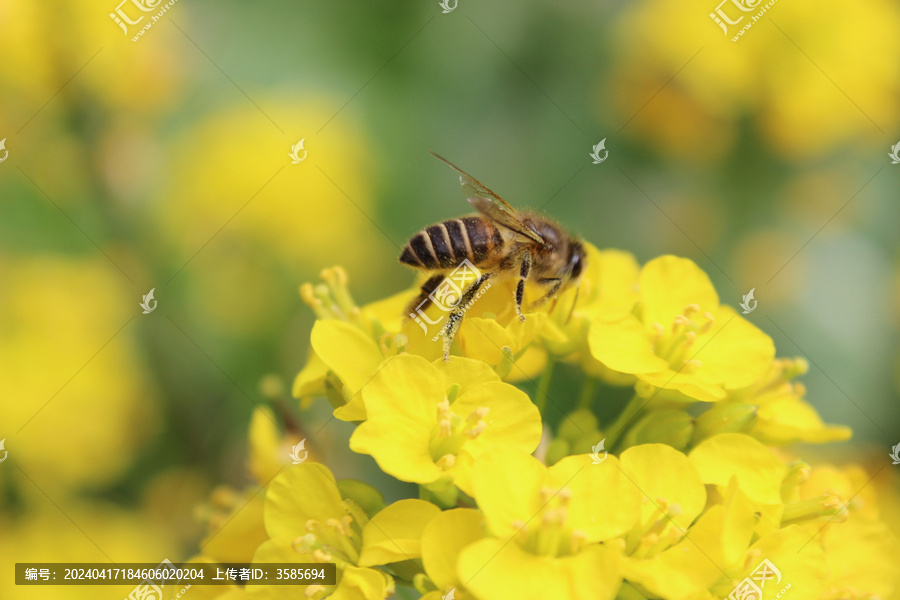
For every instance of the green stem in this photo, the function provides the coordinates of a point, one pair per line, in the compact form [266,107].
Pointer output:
[543,385]
[614,431]
[587,393]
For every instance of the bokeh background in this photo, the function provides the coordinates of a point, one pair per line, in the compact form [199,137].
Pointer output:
[163,163]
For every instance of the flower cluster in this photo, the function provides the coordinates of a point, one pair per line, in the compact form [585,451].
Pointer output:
[685,493]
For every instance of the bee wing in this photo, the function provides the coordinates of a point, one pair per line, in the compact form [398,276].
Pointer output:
[491,205]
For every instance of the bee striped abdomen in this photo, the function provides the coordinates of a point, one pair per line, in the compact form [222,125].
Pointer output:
[447,244]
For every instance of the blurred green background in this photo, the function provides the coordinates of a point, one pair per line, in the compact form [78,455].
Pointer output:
[164,164]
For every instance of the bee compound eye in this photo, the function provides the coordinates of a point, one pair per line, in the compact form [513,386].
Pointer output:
[576,264]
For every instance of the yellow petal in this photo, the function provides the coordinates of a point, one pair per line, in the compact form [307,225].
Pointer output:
[694,564]
[287,510]
[738,523]
[506,484]
[734,352]
[484,339]
[683,570]
[862,555]
[668,284]
[467,372]
[267,448]
[684,386]
[352,355]
[361,584]
[240,535]
[445,536]
[849,482]
[347,351]
[788,420]
[513,420]
[800,561]
[610,282]
[524,332]
[624,346]
[310,380]
[394,534]
[759,472]
[492,569]
[529,365]
[660,471]
[401,404]
[390,311]
[589,484]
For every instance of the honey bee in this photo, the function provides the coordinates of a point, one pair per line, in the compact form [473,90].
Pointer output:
[499,242]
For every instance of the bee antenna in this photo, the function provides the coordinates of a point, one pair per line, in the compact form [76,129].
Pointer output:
[574,302]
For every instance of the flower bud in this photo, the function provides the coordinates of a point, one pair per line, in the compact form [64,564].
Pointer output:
[724,418]
[672,427]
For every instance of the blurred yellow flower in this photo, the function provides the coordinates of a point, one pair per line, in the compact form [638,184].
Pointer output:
[227,190]
[79,533]
[837,66]
[63,318]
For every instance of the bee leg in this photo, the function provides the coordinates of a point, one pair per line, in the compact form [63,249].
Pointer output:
[456,315]
[554,283]
[423,300]
[524,271]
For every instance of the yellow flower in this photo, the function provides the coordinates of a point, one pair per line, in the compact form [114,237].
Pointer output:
[546,525]
[734,459]
[680,338]
[308,520]
[427,422]
[861,551]
[784,417]
[675,552]
[443,539]
[737,459]
[801,565]
[343,344]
